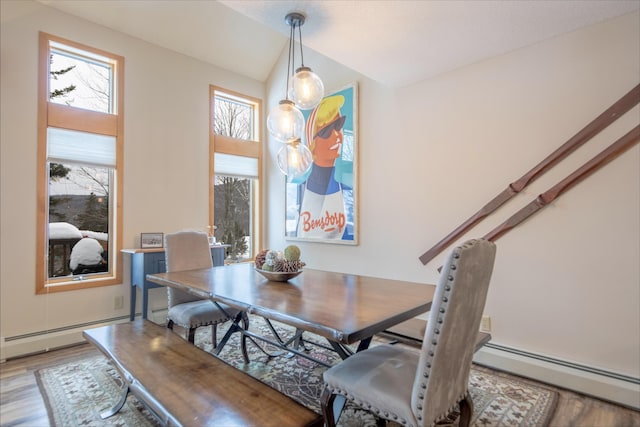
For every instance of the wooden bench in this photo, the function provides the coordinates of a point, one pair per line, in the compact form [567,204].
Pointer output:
[186,386]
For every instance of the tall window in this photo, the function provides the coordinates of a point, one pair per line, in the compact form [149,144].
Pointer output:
[80,146]
[235,153]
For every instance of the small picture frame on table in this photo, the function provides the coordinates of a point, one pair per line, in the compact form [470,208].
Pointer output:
[151,240]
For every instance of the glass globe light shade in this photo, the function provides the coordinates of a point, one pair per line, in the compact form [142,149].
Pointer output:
[306,89]
[294,159]
[285,122]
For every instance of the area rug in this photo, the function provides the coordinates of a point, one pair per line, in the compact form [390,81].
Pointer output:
[77,392]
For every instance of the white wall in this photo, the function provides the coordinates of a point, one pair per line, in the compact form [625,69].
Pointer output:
[166,152]
[567,282]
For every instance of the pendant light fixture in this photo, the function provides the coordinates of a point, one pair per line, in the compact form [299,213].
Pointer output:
[294,159]
[303,91]
[306,89]
[285,122]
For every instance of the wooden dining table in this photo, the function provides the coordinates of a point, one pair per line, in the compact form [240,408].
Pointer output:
[343,308]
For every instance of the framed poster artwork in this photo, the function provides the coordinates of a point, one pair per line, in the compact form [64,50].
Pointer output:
[322,205]
[151,240]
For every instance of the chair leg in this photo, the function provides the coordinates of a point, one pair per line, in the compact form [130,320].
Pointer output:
[192,335]
[243,339]
[466,411]
[214,335]
[326,401]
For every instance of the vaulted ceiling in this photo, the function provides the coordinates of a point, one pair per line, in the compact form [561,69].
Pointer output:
[393,42]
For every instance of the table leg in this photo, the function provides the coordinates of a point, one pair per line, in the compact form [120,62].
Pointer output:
[364,344]
[299,341]
[234,327]
[145,301]
[118,405]
[345,351]
[132,308]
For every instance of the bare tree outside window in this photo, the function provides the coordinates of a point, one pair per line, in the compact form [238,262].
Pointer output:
[233,118]
[80,128]
[78,194]
[80,82]
[234,204]
[232,194]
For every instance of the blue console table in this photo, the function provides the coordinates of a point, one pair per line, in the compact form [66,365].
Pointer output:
[150,261]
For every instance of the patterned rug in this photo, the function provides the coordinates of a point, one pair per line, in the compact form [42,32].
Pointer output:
[75,393]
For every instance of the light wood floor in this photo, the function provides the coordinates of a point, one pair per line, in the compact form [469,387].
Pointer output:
[21,403]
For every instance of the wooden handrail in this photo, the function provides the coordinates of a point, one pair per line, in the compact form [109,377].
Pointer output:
[619,108]
[627,141]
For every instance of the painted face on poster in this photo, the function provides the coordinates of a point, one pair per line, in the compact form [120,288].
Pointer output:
[321,204]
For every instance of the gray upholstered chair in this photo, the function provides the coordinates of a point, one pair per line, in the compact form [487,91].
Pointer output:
[421,388]
[189,250]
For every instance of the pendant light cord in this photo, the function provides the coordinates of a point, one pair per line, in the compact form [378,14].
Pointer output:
[300,41]
[290,59]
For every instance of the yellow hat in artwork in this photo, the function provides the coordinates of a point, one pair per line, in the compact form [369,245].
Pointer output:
[326,112]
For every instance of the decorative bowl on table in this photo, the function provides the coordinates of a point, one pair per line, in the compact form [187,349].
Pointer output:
[287,263]
[278,276]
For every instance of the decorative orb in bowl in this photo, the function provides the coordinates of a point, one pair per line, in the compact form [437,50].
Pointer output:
[278,276]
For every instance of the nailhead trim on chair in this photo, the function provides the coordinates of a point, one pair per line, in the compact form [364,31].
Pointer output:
[452,268]
[388,415]
[203,324]
[423,386]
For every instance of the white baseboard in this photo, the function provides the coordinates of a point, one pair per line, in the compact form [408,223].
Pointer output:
[40,342]
[609,386]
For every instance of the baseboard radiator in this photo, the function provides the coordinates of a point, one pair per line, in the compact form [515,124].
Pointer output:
[50,339]
[610,386]
[606,385]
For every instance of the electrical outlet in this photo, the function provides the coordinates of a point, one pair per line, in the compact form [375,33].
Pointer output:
[118,302]
[485,324]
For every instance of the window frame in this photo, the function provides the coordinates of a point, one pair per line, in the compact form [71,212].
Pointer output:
[52,114]
[238,147]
